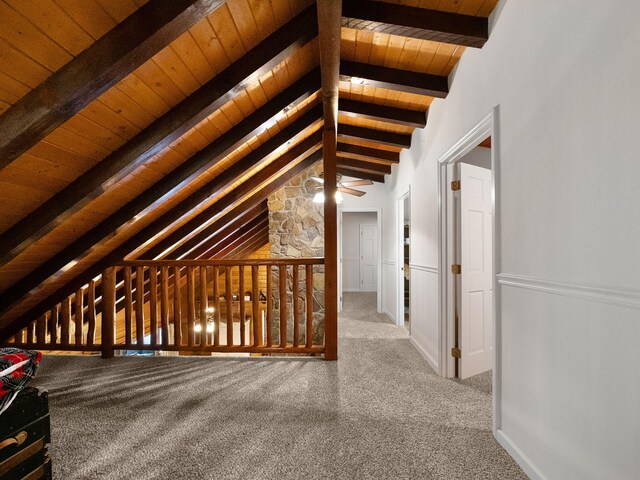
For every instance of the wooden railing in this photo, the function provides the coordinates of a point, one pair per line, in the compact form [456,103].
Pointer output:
[243,306]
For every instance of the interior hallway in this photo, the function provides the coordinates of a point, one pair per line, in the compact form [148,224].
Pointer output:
[379,412]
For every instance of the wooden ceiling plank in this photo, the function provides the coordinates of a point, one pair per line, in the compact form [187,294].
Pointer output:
[359,152]
[159,134]
[181,176]
[361,166]
[394,79]
[95,70]
[362,175]
[375,136]
[418,23]
[117,255]
[382,113]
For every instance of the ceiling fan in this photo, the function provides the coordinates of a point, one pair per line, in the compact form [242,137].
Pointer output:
[344,187]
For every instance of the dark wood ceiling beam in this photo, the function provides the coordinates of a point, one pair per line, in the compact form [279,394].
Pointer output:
[111,58]
[376,136]
[246,235]
[259,242]
[382,113]
[394,79]
[160,134]
[176,238]
[180,176]
[216,232]
[119,253]
[366,167]
[347,172]
[412,22]
[358,152]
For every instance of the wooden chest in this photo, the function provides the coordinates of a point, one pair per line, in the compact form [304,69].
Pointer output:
[24,435]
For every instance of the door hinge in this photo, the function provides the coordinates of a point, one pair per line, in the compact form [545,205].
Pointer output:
[455,185]
[456,269]
[456,353]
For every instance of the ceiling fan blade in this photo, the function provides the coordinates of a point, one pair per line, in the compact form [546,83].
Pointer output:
[317,179]
[357,183]
[351,191]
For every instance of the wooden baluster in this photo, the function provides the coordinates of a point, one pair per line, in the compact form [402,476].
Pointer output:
[283,305]
[204,334]
[30,335]
[164,305]
[91,313]
[79,316]
[229,296]
[41,330]
[242,304]
[140,306]
[108,311]
[255,303]
[153,305]
[65,320]
[216,308]
[269,304]
[53,324]
[177,308]
[309,305]
[128,307]
[191,305]
[296,305]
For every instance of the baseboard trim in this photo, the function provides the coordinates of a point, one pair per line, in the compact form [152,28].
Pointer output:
[521,459]
[423,268]
[611,295]
[432,363]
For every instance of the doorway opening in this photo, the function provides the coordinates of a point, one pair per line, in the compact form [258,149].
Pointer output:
[482,258]
[360,253]
[403,317]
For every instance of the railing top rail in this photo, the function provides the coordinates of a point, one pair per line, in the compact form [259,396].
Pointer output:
[222,263]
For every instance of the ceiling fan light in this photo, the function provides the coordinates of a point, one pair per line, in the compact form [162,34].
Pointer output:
[339,197]
[318,197]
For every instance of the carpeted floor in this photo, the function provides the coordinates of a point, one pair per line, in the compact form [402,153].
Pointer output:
[379,412]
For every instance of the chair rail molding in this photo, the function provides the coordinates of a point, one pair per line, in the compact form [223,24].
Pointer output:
[424,268]
[609,294]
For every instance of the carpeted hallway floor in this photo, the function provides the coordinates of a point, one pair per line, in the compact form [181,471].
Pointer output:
[378,413]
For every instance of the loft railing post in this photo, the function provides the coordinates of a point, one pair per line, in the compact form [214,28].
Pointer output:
[108,311]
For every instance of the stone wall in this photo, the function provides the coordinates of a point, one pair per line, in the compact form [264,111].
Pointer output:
[296,229]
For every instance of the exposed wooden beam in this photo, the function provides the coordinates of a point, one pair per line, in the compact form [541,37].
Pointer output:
[160,134]
[217,243]
[362,175]
[219,230]
[111,58]
[361,166]
[118,254]
[412,22]
[394,79]
[244,236]
[382,113]
[376,136]
[367,153]
[170,241]
[329,20]
[256,241]
[180,176]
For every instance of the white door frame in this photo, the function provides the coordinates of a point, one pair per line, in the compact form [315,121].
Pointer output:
[400,239]
[378,212]
[488,126]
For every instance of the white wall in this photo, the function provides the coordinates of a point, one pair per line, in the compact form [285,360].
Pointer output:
[565,77]
[351,222]
[479,156]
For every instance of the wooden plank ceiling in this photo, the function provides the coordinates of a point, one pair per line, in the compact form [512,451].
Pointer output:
[153,129]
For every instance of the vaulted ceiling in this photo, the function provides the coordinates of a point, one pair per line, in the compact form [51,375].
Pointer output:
[154,129]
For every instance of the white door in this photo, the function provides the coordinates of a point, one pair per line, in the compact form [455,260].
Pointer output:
[368,258]
[476,315]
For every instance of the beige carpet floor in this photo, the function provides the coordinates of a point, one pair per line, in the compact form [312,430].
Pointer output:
[379,412]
